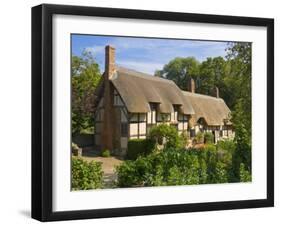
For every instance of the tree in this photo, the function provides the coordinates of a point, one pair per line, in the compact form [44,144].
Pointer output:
[85,76]
[239,55]
[212,71]
[180,70]
[208,74]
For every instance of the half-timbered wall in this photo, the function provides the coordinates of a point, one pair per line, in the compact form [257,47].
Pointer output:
[117,99]
[219,132]
[182,122]
[151,115]
[138,125]
[174,116]
[98,118]
[122,130]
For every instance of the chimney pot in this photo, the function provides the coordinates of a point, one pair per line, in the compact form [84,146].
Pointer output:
[216,92]
[191,85]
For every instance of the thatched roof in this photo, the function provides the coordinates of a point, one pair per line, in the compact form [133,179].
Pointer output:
[213,110]
[138,90]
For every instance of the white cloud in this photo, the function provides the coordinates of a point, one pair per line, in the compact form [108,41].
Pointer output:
[156,44]
[148,55]
[146,67]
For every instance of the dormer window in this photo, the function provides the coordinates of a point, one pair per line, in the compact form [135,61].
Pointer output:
[153,106]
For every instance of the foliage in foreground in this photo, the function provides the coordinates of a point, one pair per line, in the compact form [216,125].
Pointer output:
[85,175]
[139,147]
[208,138]
[180,167]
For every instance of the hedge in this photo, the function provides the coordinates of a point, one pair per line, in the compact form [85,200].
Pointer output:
[171,166]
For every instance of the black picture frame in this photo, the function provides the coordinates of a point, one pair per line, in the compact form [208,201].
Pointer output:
[42,111]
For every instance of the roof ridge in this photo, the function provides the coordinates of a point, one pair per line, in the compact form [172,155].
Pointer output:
[136,73]
[201,95]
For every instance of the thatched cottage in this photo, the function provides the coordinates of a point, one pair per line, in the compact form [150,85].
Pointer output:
[128,103]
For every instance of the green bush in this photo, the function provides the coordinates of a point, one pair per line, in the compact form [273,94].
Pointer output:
[217,164]
[245,175]
[210,148]
[207,165]
[185,138]
[85,175]
[226,145]
[199,138]
[139,147]
[241,155]
[168,133]
[174,167]
[105,153]
[208,138]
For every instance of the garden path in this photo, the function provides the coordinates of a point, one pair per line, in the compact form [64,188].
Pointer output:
[108,165]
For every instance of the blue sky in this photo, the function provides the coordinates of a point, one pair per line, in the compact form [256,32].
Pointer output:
[145,54]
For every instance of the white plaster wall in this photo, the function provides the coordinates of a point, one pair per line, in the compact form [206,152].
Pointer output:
[133,129]
[142,128]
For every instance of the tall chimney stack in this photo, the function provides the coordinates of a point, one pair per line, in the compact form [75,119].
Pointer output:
[107,133]
[109,61]
[191,85]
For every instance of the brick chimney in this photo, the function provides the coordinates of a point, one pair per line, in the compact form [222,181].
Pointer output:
[107,132]
[191,85]
[216,92]
[109,61]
